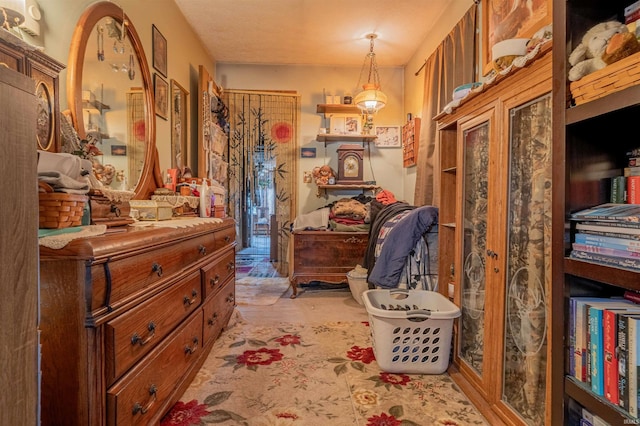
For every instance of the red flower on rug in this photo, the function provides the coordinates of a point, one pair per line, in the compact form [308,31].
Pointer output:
[185,414]
[395,379]
[383,420]
[262,356]
[356,353]
[288,339]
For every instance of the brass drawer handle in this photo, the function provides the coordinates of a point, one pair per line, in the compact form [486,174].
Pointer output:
[230,298]
[202,249]
[227,238]
[138,408]
[191,301]
[138,340]
[214,281]
[191,349]
[214,318]
[157,268]
[231,266]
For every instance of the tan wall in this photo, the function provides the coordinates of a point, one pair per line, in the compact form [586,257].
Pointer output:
[184,51]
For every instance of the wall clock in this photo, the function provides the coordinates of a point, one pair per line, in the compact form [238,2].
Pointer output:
[350,164]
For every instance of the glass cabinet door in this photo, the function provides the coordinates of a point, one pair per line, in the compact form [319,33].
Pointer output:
[475,144]
[528,263]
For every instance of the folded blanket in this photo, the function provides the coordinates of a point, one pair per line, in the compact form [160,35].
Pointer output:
[317,220]
[63,183]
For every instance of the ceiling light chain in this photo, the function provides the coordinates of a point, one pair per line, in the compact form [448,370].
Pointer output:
[371,99]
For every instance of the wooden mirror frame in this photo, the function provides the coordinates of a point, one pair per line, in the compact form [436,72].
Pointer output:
[150,178]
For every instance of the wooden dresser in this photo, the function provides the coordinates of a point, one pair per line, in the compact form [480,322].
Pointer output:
[325,256]
[128,318]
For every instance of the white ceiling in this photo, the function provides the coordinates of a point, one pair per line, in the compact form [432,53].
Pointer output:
[312,32]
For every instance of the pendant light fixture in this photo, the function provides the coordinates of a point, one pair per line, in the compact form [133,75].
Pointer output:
[371,99]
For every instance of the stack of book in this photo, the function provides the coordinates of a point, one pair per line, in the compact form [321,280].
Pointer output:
[608,234]
[625,188]
[604,345]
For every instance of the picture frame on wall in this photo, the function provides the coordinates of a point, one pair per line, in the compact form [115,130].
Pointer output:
[388,137]
[501,21]
[307,152]
[161,96]
[118,150]
[179,125]
[159,51]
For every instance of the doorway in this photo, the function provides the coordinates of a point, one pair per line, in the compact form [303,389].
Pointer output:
[263,142]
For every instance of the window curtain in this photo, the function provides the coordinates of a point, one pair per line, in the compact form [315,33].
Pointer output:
[451,65]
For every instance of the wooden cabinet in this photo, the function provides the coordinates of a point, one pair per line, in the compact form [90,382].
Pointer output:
[410,142]
[25,58]
[129,317]
[325,256]
[591,141]
[495,176]
[19,351]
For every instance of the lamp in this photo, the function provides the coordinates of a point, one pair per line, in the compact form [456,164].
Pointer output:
[11,13]
[371,99]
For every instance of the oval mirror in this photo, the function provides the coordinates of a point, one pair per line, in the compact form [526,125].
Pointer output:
[109,91]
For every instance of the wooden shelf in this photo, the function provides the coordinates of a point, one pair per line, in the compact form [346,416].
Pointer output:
[345,138]
[597,405]
[338,187]
[338,109]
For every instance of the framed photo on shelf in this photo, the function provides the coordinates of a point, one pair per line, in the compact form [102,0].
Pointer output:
[161,96]
[337,125]
[159,51]
[388,137]
[352,125]
[501,21]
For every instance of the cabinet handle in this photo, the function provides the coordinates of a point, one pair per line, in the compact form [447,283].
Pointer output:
[227,238]
[492,254]
[191,349]
[230,298]
[214,318]
[191,301]
[231,266]
[115,209]
[157,268]
[137,339]
[202,249]
[138,408]
[214,281]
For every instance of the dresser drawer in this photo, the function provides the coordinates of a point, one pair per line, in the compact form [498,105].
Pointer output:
[121,278]
[225,236]
[217,311]
[139,398]
[133,334]
[215,274]
[331,251]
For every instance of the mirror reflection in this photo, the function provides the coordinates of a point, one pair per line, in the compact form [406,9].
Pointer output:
[113,107]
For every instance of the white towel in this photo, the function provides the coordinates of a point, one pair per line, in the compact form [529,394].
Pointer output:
[317,219]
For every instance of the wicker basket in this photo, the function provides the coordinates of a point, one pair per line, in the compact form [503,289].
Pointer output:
[59,209]
[612,78]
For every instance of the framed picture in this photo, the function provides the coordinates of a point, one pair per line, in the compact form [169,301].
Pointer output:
[179,125]
[337,125]
[159,51]
[161,96]
[388,137]
[308,152]
[501,21]
[352,125]
[118,150]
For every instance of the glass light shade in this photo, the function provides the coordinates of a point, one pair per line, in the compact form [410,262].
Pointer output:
[371,99]
[11,13]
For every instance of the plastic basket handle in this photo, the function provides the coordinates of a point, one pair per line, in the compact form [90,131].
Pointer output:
[419,313]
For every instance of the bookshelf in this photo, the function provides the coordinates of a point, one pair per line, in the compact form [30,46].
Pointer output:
[590,146]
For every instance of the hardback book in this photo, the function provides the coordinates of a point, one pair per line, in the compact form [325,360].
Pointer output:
[610,343]
[627,227]
[608,231]
[633,362]
[618,189]
[631,171]
[610,211]
[607,251]
[596,363]
[633,189]
[628,341]
[611,242]
[620,262]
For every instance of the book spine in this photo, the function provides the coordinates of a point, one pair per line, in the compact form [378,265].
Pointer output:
[572,337]
[631,171]
[609,319]
[632,296]
[632,359]
[626,226]
[595,245]
[633,189]
[580,343]
[607,251]
[623,354]
[621,262]
[595,347]
[633,237]
[618,184]
[590,239]
[632,17]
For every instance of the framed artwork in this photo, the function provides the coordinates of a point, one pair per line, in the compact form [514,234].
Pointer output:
[352,125]
[388,137]
[179,125]
[118,150]
[159,51]
[308,152]
[337,125]
[160,96]
[501,21]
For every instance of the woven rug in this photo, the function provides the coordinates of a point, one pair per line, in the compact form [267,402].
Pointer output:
[312,374]
[260,291]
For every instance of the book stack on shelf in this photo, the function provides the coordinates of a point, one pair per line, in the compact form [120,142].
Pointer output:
[625,188]
[608,234]
[580,416]
[604,346]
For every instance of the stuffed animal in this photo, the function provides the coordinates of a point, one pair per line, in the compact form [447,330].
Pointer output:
[587,56]
[322,174]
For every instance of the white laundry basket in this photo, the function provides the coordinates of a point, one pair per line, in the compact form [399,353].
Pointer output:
[357,279]
[411,330]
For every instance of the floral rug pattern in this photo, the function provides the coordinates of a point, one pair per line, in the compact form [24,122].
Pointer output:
[312,374]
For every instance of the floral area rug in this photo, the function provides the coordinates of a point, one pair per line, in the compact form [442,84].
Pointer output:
[312,374]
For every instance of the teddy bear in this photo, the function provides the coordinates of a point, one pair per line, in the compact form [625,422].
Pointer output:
[587,56]
[322,174]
